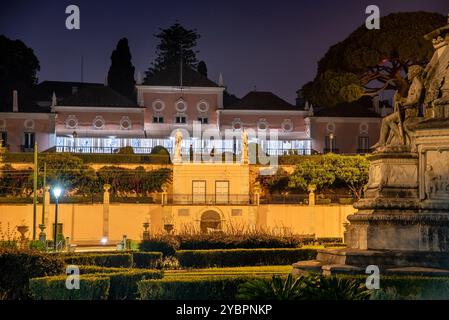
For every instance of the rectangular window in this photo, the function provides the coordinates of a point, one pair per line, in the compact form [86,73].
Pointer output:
[363,144]
[198,191]
[4,138]
[28,140]
[330,144]
[203,120]
[180,119]
[221,191]
[158,119]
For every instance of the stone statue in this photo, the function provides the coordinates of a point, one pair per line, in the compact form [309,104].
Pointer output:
[394,130]
[178,146]
[244,146]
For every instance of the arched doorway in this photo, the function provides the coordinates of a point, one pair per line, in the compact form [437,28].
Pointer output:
[210,220]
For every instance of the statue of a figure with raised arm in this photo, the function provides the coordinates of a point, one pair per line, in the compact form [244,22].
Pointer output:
[178,145]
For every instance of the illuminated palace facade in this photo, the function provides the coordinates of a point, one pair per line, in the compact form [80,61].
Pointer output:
[93,118]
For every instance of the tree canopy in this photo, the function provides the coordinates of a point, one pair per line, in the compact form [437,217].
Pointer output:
[370,61]
[121,71]
[175,41]
[18,70]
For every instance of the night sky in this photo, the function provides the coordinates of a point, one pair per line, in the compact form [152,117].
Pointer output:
[273,45]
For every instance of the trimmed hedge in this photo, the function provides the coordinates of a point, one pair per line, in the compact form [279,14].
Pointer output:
[191,288]
[395,287]
[166,244]
[121,284]
[124,284]
[236,241]
[92,287]
[27,157]
[242,257]
[120,260]
[146,259]
[17,267]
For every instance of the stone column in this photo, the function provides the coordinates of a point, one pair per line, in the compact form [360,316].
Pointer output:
[312,189]
[106,188]
[47,206]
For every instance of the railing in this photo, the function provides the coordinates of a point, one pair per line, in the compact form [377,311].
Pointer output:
[304,199]
[210,199]
[285,199]
[140,150]
[185,150]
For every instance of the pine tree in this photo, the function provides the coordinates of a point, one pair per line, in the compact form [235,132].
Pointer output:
[121,72]
[174,41]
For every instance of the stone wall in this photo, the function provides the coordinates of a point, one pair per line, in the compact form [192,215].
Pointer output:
[84,223]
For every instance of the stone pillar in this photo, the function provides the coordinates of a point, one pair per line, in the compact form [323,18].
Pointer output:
[106,188]
[311,189]
[47,206]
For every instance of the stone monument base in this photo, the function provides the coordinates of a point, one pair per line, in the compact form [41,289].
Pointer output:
[354,261]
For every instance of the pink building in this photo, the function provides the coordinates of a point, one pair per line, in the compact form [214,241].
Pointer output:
[26,124]
[93,118]
[350,128]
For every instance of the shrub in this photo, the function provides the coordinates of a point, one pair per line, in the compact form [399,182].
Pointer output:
[146,259]
[126,150]
[242,257]
[17,267]
[276,289]
[236,241]
[92,287]
[160,150]
[413,287]
[161,243]
[124,284]
[191,288]
[310,287]
[85,269]
[120,260]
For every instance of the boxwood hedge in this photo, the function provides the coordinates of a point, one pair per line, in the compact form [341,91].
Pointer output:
[242,257]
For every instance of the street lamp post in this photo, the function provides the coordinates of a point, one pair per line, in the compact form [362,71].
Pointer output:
[56,192]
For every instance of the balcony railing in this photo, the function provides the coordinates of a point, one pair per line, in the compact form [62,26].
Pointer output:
[210,199]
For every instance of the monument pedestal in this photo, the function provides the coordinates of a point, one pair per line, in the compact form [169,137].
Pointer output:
[402,223]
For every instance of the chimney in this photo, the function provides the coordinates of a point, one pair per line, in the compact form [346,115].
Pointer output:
[74,90]
[15,102]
